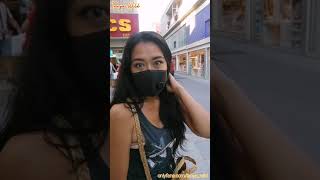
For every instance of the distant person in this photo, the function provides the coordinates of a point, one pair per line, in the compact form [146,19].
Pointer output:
[24,8]
[6,20]
[28,22]
[113,71]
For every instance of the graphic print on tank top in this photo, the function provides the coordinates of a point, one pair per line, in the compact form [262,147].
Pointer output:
[159,145]
[161,154]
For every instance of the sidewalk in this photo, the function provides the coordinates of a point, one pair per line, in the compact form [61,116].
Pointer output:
[199,149]
[225,46]
[195,146]
[178,75]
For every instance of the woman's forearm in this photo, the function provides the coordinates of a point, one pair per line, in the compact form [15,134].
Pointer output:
[274,156]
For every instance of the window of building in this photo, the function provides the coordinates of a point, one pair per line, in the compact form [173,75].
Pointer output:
[174,44]
[280,23]
[233,15]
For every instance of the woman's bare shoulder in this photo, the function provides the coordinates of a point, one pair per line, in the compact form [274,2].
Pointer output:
[121,112]
[29,156]
[121,118]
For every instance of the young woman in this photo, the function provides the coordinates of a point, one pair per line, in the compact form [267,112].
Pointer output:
[57,128]
[163,107]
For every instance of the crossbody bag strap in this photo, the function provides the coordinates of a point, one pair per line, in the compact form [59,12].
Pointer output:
[141,144]
[182,162]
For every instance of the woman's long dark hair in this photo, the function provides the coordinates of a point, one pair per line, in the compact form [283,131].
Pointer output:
[49,85]
[170,109]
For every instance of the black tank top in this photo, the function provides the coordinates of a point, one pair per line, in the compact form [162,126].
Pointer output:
[98,169]
[159,151]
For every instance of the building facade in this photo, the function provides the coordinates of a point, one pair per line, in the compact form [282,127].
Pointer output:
[289,25]
[124,21]
[186,27]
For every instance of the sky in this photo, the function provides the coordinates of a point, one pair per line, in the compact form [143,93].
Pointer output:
[150,11]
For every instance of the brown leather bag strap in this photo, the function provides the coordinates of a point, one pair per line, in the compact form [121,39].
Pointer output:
[182,162]
[141,143]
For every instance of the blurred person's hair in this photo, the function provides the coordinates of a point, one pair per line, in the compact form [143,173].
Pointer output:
[170,109]
[50,86]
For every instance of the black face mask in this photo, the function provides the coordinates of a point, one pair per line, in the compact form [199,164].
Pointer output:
[89,53]
[150,83]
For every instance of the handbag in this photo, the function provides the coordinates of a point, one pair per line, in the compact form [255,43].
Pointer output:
[181,171]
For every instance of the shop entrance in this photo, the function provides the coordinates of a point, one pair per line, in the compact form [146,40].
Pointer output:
[197,60]
[182,63]
[233,16]
[279,23]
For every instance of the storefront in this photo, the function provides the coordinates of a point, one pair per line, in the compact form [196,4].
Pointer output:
[122,26]
[189,43]
[181,64]
[272,23]
[194,61]
[280,23]
[313,28]
[197,63]
[233,16]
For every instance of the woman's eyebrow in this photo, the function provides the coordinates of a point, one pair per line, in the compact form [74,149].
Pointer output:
[154,58]
[137,59]
[157,57]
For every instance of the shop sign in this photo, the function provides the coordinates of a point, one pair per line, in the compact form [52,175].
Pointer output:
[123,25]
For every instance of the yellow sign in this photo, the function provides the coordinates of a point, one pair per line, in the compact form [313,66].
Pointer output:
[124,25]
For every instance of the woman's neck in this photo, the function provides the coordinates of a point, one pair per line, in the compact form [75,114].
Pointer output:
[151,104]
[151,99]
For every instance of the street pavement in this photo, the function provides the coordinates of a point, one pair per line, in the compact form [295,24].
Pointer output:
[194,146]
[284,86]
[197,147]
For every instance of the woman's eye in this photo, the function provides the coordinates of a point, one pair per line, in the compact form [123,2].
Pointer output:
[158,63]
[138,65]
[94,13]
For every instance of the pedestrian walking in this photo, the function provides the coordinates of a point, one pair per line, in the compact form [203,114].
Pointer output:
[27,23]
[113,72]
[149,111]
[6,20]
[57,127]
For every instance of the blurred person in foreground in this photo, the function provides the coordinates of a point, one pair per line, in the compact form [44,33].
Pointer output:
[246,145]
[57,125]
